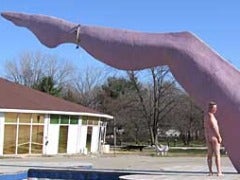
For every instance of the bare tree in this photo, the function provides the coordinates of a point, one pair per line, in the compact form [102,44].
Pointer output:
[87,84]
[25,70]
[31,68]
[155,100]
[187,118]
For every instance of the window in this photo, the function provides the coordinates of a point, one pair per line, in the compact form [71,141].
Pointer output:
[73,119]
[37,139]
[87,120]
[10,132]
[54,119]
[11,117]
[38,118]
[23,133]
[23,139]
[25,118]
[64,120]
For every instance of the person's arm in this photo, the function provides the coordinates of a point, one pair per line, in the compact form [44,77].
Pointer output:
[214,126]
[205,129]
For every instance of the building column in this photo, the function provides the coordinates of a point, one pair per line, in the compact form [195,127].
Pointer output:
[2,122]
[45,134]
[72,139]
[83,139]
[95,139]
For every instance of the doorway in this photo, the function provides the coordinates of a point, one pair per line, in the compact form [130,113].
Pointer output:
[63,137]
[89,138]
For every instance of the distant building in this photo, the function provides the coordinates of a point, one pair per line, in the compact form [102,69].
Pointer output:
[33,122]
[172,133]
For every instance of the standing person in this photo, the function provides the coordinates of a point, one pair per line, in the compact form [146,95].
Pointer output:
[213,138]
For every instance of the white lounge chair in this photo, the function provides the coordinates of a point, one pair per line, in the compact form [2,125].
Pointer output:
[163,150]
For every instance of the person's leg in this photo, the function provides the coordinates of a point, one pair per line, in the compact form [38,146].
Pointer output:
[216,147]
[209,158]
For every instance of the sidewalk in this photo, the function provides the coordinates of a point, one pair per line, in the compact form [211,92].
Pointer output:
[166,167]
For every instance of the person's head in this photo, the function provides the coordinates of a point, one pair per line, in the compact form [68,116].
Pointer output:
[212,107]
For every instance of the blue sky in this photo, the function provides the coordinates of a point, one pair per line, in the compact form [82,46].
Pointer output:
[215,22]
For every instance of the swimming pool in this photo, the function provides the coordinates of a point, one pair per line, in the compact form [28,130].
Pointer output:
[69,174]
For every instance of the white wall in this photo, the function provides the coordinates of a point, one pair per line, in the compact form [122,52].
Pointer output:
[82,138]
[45,134]
[2,120]
[78,137]
[53,136]
[95,139]
[72,139]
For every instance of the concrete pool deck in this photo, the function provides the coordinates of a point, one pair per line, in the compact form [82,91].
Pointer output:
[163,167]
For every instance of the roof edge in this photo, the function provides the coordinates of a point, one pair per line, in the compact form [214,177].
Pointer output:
[57,112]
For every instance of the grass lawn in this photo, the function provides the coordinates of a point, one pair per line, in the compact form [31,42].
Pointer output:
[173,151]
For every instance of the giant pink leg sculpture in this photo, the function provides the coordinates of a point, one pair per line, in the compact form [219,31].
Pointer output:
[202,72]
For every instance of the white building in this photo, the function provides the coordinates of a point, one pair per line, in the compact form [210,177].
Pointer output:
[32,122]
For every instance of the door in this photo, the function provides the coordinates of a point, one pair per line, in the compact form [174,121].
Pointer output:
[63,137]
[89,138]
